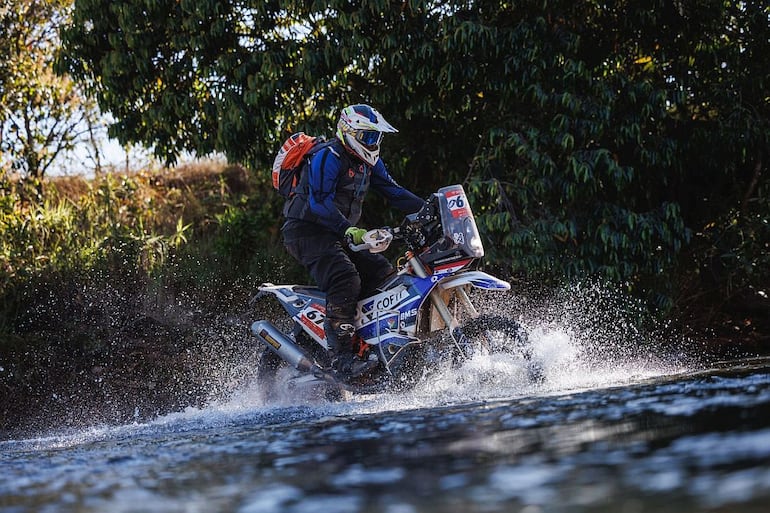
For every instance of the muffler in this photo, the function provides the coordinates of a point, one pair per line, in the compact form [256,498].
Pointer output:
[275,340]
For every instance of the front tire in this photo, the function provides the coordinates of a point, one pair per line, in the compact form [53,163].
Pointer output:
[498,334]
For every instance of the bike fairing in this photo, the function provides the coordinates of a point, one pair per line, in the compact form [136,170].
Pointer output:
[388,317]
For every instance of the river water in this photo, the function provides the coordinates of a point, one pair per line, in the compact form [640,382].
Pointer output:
[624,435]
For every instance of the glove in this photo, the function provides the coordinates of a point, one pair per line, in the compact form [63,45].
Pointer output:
[356,235]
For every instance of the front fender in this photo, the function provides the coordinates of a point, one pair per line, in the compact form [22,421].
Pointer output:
[478,279]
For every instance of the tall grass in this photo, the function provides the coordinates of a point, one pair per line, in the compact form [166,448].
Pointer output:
[108,225]
[187,228]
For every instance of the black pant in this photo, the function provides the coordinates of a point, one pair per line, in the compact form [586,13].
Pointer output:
[341,273]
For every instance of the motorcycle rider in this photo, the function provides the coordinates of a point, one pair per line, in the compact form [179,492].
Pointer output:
[321,220]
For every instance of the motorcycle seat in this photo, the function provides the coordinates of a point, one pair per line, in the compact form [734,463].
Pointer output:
[309,291]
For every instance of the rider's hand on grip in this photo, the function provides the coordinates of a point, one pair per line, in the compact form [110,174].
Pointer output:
[355,235]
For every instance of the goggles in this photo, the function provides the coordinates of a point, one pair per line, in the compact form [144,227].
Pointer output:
[368,137]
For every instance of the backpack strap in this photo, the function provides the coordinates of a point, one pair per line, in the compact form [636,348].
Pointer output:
[336,147]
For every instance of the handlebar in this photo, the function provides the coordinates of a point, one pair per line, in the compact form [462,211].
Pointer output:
[374,241]
[417,230]
[424,233]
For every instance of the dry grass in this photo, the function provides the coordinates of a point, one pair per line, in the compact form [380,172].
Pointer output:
[194,192]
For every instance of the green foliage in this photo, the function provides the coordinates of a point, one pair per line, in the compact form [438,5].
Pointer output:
[103,230]
[134,233]
[563,164]
[244,229]
[42,115]
[596,139]
[107,232]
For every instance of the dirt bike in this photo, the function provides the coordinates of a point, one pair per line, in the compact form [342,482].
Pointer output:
[419,317]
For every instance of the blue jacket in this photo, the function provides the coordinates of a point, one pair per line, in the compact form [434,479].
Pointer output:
[331,191]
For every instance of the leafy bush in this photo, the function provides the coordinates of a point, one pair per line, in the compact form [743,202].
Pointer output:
[126,230]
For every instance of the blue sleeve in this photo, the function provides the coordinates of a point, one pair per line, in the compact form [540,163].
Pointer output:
[396,195]
[325,169]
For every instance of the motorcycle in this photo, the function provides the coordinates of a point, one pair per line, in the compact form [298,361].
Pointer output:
[421,316]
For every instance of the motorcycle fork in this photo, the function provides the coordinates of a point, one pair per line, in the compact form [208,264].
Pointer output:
[441,306]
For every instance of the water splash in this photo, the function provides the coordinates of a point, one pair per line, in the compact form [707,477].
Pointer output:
[583,337]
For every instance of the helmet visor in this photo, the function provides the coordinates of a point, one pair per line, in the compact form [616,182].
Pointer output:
[370,138]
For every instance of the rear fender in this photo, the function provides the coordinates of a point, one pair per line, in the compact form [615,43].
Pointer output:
[305,305]
[283,293]
[291,296]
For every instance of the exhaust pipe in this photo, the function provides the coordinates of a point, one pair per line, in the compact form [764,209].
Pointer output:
[283,346]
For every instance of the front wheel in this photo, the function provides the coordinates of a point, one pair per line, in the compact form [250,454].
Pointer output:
[497,334]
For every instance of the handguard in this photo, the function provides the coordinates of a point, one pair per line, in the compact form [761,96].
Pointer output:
[374,241]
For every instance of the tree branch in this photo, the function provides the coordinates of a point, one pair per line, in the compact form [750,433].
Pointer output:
[753,184]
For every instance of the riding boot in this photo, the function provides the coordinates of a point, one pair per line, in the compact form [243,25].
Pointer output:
[345,364]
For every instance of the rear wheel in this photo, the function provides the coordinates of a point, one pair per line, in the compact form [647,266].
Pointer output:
[267,371]
[270,367]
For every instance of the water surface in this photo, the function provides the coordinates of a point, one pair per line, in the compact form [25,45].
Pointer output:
[621,436]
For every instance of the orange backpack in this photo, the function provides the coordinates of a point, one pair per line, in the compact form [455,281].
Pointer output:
[295,152]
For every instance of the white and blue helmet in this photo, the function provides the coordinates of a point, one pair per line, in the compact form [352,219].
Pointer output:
[360,129]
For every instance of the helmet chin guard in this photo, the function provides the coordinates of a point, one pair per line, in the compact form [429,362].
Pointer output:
[360,129]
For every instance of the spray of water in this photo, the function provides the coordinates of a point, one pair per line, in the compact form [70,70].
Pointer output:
[582,337]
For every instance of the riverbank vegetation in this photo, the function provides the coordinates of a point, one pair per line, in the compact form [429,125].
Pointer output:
[126,295]
[627,143]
